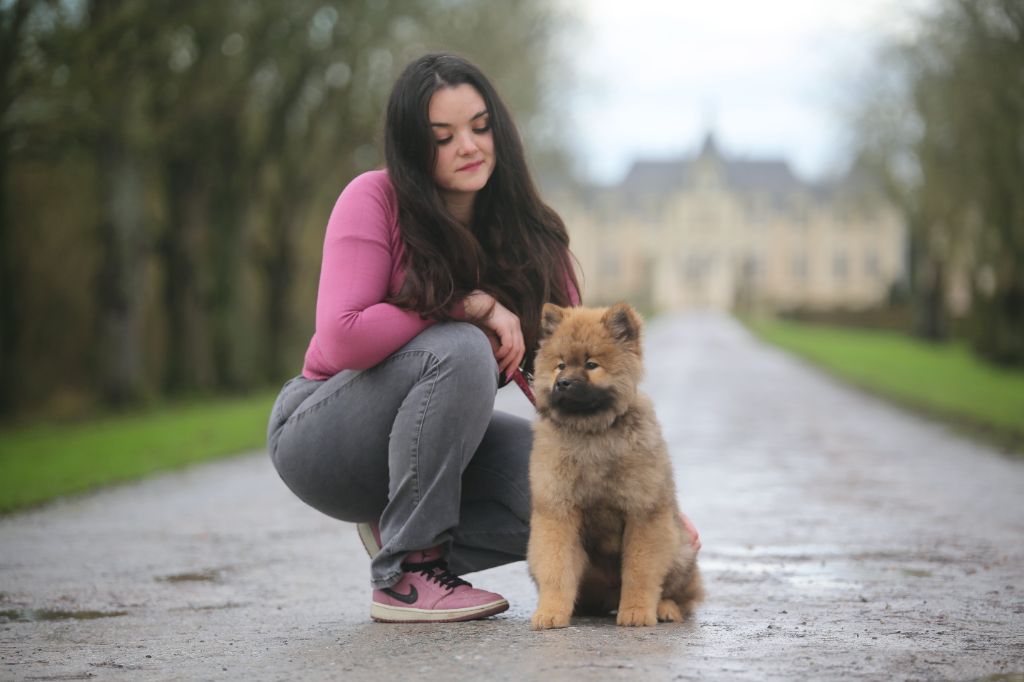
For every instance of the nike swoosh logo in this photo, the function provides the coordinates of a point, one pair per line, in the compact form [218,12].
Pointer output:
[404,598]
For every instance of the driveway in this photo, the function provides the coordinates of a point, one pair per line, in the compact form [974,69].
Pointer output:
[843,539]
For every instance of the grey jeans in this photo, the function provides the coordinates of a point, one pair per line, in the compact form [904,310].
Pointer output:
[415,443]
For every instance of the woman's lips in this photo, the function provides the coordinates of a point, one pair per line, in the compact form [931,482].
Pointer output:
[472,166]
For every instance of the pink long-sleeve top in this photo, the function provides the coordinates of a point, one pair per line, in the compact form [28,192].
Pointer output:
[362,267]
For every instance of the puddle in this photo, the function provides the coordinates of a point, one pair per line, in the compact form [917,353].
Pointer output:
[40,615]
[211,607]
[800,574]
[819,567]
[916,573]
[792,552]
[209,576]
[115,665]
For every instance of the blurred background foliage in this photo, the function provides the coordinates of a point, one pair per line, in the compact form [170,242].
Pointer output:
[167,169]
[941,125]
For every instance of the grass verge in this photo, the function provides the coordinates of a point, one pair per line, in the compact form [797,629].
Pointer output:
[945,381]
[44,461]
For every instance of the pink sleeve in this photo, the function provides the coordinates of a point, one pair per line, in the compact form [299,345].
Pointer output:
[355,329]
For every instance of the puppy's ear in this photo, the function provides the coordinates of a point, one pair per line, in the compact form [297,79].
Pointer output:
[550,318]
[623,322]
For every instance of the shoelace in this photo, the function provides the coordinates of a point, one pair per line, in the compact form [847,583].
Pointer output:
[438,572]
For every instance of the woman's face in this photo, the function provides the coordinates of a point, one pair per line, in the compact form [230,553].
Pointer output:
[465,145]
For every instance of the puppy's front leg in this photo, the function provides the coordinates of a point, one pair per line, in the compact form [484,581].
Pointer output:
[556,559]
[646,557]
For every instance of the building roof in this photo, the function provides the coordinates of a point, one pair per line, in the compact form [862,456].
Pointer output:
[657,179]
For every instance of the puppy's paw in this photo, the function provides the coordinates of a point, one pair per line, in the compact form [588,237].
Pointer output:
[636,615]
[668,612]
[545,620]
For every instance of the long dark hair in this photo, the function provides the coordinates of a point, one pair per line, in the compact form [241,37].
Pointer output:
[516,248]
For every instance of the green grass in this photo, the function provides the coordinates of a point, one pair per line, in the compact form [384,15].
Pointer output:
[945,380]
[44,461]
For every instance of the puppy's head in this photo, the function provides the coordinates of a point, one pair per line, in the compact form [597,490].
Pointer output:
[588,364]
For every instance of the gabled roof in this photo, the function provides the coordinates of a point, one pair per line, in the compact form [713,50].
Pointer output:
[771,177]
[656,179]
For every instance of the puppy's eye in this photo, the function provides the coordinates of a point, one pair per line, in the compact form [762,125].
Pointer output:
[561,366]
[591,365]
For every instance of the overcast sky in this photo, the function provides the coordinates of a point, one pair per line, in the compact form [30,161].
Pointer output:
[770,78]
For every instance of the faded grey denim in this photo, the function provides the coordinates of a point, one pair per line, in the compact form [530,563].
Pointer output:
[414,442]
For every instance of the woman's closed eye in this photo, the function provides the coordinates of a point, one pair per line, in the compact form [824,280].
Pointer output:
[479,131]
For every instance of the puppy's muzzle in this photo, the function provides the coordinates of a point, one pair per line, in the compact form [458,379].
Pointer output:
[578,396]
[567,385]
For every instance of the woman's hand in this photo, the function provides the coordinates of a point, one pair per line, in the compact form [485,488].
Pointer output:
[503,325]
[691,530]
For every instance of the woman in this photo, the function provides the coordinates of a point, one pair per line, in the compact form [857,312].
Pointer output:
[433,278]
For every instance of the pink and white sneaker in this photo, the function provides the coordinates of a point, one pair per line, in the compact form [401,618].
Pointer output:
[429,593]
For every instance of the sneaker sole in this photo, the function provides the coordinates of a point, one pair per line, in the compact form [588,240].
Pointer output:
[370,543]
[383,613]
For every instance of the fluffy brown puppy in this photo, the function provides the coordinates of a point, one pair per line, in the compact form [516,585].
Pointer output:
[606,532]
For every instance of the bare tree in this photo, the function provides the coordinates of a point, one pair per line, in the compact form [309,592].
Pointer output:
[943,131]
[13,17]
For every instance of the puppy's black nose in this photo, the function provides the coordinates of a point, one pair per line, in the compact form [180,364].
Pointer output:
[563,384]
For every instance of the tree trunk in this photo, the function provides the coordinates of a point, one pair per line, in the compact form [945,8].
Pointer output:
[280,272]
[122,242]
[189,365]
[997,323]
[227,252]
[929,300]
[12,22]
[926,279]
[9,323]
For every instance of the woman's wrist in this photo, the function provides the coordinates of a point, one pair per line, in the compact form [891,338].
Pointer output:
[479,305]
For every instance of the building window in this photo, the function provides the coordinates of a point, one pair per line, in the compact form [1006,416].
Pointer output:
[751,268]
[756,216]
[694,267]
[871,266]
[698,266]
[800,217]
[800,268]
[840,267]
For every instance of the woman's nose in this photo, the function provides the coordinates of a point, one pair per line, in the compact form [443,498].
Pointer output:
[467,145]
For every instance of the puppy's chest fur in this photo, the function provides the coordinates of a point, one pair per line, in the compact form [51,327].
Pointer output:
[608,474]
[595,474]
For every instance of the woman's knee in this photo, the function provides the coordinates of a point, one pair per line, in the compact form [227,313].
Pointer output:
[292,394]
[463,349]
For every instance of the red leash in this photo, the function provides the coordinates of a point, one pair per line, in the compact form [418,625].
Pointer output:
[523,384]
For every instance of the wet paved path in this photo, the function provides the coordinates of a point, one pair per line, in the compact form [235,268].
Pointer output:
[842,540]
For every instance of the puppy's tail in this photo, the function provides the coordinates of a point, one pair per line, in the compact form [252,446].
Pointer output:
[684,584]
[692,594]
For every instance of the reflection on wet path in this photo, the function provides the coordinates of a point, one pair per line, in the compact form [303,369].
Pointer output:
[842,540]
[36,615]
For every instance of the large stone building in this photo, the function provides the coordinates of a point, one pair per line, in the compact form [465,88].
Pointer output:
[714,232]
